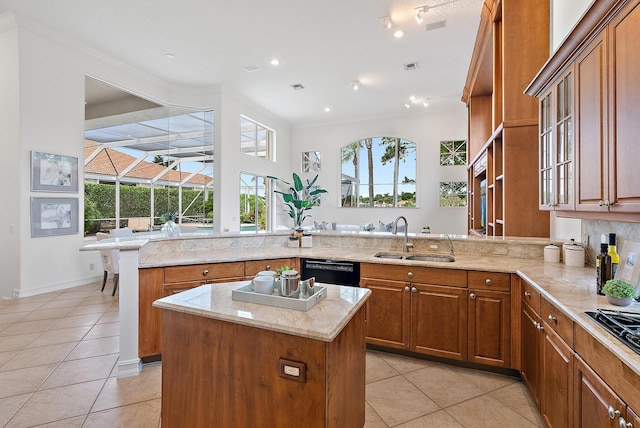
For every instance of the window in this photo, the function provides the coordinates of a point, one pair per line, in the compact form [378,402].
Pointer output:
[253,203]
[310,161]
[453,153]
[379,172]
[256,139]
[453,194]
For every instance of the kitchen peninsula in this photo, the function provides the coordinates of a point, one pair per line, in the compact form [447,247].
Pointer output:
[229,363]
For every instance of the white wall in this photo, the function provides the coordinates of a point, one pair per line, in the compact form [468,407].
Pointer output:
[426,130]
[10,212]
[564,16]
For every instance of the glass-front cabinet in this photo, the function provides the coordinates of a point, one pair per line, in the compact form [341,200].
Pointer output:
[557,146]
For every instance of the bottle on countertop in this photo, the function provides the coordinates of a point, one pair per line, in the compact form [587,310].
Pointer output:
[615,259]
[603,268]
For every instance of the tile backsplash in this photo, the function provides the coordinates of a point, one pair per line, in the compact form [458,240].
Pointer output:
[593,229]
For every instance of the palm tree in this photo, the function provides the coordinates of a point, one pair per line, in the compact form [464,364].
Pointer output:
[351,153]
[395,148]
[368,142]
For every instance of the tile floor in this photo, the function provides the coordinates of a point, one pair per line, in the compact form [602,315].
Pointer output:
[58,353]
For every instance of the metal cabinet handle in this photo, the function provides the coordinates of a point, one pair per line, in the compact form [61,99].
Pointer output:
[612,412]
[472,295]
[527,294]
[540,327]
[406,288]
[205,272]
[604,203]
[552,318]
[535,323]
[488,281]
[414,289]
[410,274]
[268,267]
[624,424]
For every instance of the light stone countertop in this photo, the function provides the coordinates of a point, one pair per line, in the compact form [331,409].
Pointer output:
[324,321]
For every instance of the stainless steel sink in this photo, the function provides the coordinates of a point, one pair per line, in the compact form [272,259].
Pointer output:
[429,258]
[416,257]
[396,256]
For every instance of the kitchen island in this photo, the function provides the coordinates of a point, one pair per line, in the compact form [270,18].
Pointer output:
[227,363]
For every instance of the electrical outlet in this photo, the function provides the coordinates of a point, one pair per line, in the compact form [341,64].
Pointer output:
[433,246]
[92,266]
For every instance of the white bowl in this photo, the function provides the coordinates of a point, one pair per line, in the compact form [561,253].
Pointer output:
[262,284]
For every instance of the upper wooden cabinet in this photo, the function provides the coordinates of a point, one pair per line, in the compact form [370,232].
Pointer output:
[511,45]
[601,54]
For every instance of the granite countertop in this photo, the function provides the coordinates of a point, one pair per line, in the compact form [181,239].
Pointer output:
[324,321]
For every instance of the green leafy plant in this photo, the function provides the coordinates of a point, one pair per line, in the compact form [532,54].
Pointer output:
[169,216]
[282,269]
[300,197]
[619,288]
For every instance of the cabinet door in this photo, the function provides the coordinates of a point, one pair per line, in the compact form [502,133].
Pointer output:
[530,350]
[632,418]
[489,328]
[563,144]
[439,321]
[624,174]
[556,380]
[150,318]
[252,267]
[595,404]
[387,312]
[591,127]
[545,155]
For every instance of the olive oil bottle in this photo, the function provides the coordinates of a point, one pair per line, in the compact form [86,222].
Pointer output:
[603,268]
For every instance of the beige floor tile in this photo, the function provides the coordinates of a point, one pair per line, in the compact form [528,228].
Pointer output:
[6,356]
[76,294]
[100,299]
[76,321]
[140,415]
[62,303]
[439,419]
[109,317]
[443,385]
[15,307]
[10,405]
[517,397]
[23,327]
[10,318]
[129,390]
[63,335]
[40,356]
[23,381]
[95,347]
[487,412]
[79,371]
[103,330]
[100,308]
[57,404]
[372,419]
[487,381]
[406,364]
[378,368]
[17,342]
[396,400]
[47,314]
[66,423]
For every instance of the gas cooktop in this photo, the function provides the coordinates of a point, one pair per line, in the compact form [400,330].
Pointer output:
[623,325]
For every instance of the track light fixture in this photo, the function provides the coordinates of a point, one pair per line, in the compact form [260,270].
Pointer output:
[418,12]
[385,21]
[355,85]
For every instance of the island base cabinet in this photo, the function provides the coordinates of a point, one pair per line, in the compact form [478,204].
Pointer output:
[224,375]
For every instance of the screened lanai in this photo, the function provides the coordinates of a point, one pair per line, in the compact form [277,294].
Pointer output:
[148,165]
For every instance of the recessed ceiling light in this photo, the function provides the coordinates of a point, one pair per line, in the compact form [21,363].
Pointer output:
[169,56]
[407,105]
[355,85]
[398,34]
[274,61]
[412,97]
[327,109]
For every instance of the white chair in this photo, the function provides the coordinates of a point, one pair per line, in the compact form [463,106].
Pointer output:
[110,263]
[120,233]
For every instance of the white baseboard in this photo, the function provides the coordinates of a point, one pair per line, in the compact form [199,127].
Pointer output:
[17,293]
[129,367]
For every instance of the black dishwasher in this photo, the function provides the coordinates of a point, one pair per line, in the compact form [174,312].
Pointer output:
[332,271]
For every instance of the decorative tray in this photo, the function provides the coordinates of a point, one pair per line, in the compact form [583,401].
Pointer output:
[246,294]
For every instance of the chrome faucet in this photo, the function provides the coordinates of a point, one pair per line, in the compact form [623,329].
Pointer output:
[394,230]
[450,245]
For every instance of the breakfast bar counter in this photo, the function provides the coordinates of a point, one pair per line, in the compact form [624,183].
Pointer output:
[228,363]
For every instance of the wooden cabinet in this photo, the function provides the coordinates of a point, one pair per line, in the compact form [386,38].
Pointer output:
[600,52]
[556,382]
[252,267]
[531,336]
[503,122]
[387,312]
[181,278]
[595,404]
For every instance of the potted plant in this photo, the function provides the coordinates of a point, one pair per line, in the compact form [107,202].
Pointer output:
[619,292]
[300,197]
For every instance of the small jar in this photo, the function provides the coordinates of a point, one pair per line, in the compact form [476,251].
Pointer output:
[551,254]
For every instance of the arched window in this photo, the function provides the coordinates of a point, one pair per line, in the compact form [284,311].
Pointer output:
[379,172]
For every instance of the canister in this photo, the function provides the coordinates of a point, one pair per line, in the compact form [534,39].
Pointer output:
[552,254]
[575,256]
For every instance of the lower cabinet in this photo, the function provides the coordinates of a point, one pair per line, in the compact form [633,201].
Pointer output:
[531,337]
[556,383]
[595,404]
[489,328]
[387,312]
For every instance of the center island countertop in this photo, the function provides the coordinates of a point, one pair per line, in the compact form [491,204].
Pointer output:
[323,322]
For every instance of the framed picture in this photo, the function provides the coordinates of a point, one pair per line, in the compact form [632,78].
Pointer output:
[53,173]
[629,266]
[54,216]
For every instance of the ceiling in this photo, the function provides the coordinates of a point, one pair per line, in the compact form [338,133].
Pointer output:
[323,46]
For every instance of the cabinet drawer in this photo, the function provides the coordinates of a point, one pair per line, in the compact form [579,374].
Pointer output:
[529,294]
[490,281]
[177,287]
[252,267]
[203,272]
[423,275]
[559,322]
